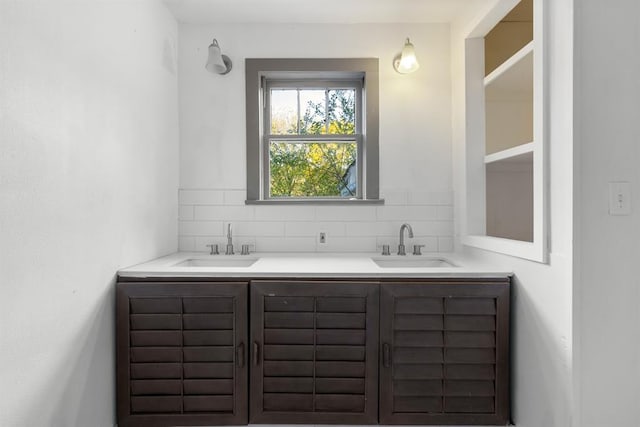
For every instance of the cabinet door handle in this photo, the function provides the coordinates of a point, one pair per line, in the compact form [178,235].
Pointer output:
[386,355]
[240,355]
[256,355]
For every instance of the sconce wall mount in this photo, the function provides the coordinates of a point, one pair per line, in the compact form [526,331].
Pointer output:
[406,62]
[217,62]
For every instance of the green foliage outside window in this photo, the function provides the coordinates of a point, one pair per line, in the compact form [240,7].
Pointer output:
[315,168]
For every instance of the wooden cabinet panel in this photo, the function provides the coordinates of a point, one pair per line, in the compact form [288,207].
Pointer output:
[314,352]
[181,354]
[321,352]
[444,352]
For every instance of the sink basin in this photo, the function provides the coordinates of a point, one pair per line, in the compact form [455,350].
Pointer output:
[217,262]
[412,263]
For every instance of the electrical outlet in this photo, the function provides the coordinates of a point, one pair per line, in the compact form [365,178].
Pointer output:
[322,237]
[619,198]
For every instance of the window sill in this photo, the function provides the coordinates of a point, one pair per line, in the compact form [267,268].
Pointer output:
[340,202]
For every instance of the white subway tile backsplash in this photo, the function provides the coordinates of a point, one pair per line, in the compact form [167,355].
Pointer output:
[431,198]
[346,213]
[406,213]
[235,197]
[436,228]
[388,228]
[186,243]
[201,243]
[393,197]
[285,244]
[363,229]
[430,244]
[445,244]
[185,212]
[242,240]
[200,228]
[284,213]
[204,215]
[333,229]
[444,213]
[300,229]
[312,229]
[224,213]
[274,229]
[200,197]
[348,244]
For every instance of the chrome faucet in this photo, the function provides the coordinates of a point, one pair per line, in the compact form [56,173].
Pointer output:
[229,250]
[401,249]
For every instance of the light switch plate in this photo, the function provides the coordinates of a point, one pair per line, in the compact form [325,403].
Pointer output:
[619,198]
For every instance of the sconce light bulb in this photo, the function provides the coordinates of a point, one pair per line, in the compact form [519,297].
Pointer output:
[217,62]
[406,62]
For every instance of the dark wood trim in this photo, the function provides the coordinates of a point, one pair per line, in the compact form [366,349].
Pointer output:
[503,355]
[122,352]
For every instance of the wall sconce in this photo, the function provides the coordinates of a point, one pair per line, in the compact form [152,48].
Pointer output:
[217,62]
[406,61]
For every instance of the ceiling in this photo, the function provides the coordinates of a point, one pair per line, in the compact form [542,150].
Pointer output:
[321,11]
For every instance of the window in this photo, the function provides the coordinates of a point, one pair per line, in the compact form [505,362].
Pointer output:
[312,135]
[312,130]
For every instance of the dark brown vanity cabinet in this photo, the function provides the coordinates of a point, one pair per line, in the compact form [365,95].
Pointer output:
[314,352]
[311,351]
[181,353]
[445,352]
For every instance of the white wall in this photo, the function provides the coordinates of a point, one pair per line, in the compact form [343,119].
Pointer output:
[88,184]
[415,140]
[607,285]
[542,293]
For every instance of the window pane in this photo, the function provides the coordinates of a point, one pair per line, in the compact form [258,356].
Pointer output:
[284,111]
[313,112]
[342,111]
[313,169]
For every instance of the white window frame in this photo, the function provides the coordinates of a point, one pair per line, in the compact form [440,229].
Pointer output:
[267,137]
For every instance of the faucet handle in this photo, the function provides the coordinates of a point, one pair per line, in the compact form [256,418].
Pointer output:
[245,249]
[214,249]
[385,249]
[416,249]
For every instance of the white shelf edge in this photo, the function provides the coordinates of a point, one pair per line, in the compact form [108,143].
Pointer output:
[509,153]
[506,65]
[533,251]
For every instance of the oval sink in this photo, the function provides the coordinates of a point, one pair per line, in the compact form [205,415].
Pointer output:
[412,263]
[218,262]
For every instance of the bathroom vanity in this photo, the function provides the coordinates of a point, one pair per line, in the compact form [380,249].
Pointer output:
[281,340]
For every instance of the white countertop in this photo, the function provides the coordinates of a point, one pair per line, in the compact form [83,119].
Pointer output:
[330,265]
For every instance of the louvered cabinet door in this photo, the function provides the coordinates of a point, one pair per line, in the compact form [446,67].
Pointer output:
[181,354]
[445,353]
[314,352]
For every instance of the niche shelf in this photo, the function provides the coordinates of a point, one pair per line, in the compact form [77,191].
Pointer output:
[511,34]
[509,102]
[506,163]
[510,153]
[509,125]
